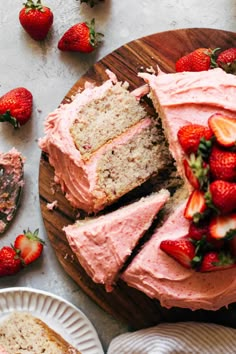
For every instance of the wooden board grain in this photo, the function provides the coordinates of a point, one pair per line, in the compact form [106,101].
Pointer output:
[125,303]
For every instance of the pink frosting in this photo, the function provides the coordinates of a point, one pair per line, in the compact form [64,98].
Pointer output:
[2,350]
[191,97]
[159,276]
[103,244]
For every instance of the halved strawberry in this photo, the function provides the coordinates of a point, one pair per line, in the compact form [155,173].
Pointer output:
[182,250]
[189,137]
[196,171]
[223,226]
[216,261]
[29,246]
[195,206]
[224,129]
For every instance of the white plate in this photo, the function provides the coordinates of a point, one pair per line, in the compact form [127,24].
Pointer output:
[58,313]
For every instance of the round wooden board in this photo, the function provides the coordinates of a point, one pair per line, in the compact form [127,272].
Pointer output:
[125,303]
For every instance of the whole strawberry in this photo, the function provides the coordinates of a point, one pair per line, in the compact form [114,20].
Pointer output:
[16,106]
[222,164]
[189,137]
[36,19]
[81,37]
[227,60]
[200,59]
[10,262]
[223,196]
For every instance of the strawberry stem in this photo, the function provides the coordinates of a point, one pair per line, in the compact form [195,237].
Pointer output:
[30,5]
[6,117]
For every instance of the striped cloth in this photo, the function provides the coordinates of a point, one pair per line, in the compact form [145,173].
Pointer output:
[177,338]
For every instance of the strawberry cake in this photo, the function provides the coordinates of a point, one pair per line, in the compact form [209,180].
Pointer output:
[190,97]
[102,145]
[103,244]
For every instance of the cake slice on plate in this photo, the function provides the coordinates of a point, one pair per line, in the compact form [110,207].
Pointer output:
[190,97]
[103,244]
[102,145]
[22,332]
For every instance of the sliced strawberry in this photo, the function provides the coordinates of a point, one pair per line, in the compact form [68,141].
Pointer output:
[195,206]
[181,250]
[223,226]
[213,261]
[224,129]
[189,137]
[196,171]
[29,246]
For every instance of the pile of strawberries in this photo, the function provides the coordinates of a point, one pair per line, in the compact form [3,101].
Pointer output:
[26,249]
[210,168]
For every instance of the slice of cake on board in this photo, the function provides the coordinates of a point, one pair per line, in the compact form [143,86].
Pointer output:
[102,145]
[103,244]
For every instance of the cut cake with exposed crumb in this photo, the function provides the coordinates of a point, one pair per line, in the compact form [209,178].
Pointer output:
[22,333]
[103,244]
[102,145]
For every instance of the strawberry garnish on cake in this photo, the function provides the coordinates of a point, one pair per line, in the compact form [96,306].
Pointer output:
[210,168]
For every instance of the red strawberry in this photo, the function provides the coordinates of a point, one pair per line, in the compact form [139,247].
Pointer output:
[36,19]
[223,226]
[224,129]
[80,38]
[201,59]
[222,164]
[227,60]
[216,261]
[223,196]
[189,137]
[181,250]
[16,106]
[196,171]
[91,3]
[29,246]
[184,64]
[10,262]
[195,206]
[197,231]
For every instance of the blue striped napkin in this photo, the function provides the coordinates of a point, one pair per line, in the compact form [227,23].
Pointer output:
[177,338]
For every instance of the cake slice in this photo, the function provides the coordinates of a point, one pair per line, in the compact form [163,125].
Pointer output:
[102,145]
[22,333]
[103,244]
[160,277]
[11,184]
[190,97]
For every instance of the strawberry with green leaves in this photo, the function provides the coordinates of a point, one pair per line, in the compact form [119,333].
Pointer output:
[222,196]
[191,135]
[81,37]
[16,106]
[36,19]
[222,164]
[214,260]
[10,262]
[227,60]
[200,59]
[29,246]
